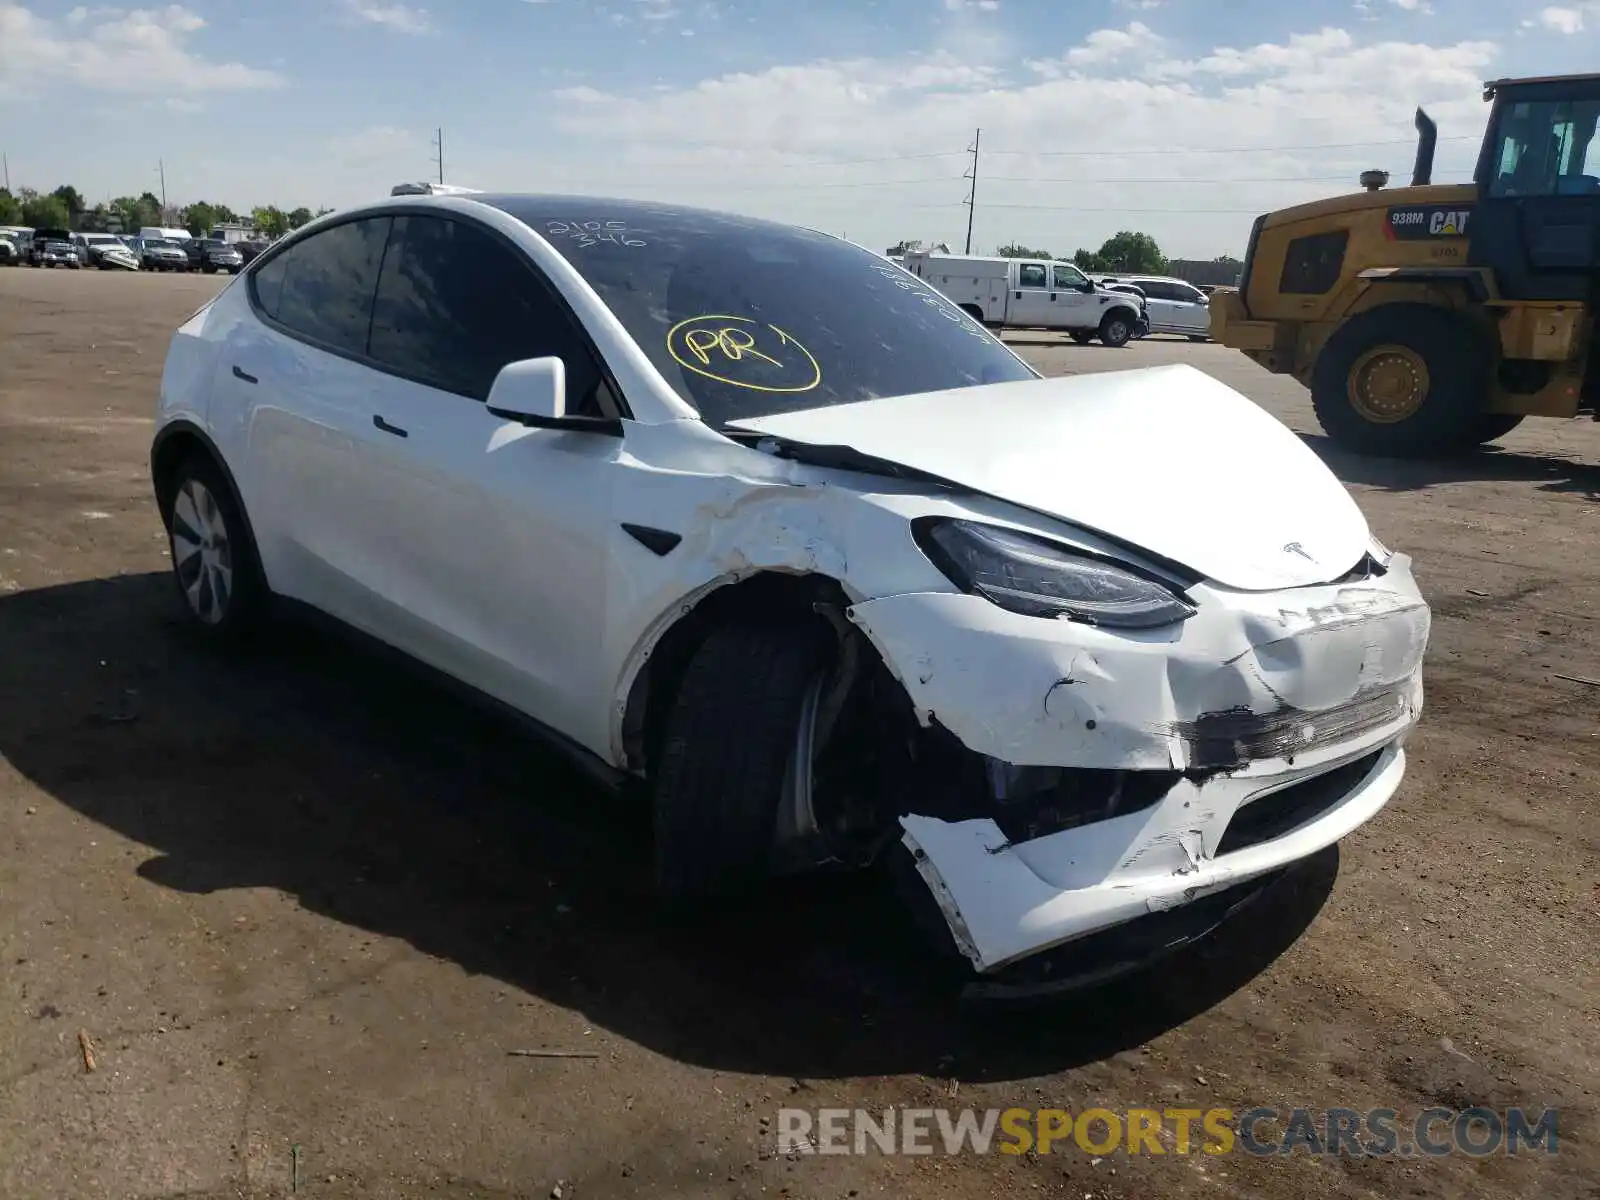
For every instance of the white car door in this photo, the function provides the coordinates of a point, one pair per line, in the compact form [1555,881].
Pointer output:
[1191,309]
[1031,304]
[491,537]
[1076,301]
[294,416]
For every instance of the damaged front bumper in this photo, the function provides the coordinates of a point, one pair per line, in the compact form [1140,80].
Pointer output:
[1260,731]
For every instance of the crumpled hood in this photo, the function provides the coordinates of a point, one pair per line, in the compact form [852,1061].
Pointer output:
[1164,458]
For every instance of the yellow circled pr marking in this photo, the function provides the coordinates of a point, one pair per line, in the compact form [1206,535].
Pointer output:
[733,343]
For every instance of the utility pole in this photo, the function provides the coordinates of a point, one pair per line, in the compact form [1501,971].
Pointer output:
[972,196]
[439,142]
[161,165]
[8,171]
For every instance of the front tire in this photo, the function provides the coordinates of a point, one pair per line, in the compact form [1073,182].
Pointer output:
[1115,330]
[725,754]
[214,564]
[1401,381]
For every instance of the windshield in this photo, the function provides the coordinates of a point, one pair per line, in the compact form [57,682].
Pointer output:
[747,318]
[159,243]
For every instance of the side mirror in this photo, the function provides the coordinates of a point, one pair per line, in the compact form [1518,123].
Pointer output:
[533,392]
[1088,286]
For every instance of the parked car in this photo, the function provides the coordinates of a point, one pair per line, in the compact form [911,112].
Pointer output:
[14,241]
[162,254]
[761,524]
[211,255]
[1175,306]
[105,251]
[53,248]
[251,247]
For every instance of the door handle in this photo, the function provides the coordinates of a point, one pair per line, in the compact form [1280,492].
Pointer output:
[238,374]
[388,428]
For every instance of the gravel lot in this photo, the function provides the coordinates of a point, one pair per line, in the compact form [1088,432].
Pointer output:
[303,899]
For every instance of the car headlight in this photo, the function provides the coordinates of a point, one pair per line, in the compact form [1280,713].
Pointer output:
[1037,578]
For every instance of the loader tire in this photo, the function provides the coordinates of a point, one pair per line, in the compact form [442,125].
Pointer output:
[1402,381]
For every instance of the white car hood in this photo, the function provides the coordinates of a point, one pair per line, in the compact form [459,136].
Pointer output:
[1166,458]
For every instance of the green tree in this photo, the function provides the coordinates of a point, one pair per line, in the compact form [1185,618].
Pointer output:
[200,218]
[1087,260]
[1013,250]
[71,198]
[324,211]
[270,220]
[10,208]
[299,217]
[135,212]
[1132,252]
[45,212]
[93,220]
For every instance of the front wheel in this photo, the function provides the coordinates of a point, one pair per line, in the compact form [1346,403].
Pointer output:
[730,737]
[1402,381]
[214,564]
[1115,330]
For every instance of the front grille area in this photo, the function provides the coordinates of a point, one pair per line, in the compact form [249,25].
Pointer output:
[1276,813]
[1236,736]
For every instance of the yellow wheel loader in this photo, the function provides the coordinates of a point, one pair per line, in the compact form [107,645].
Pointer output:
[1432,318]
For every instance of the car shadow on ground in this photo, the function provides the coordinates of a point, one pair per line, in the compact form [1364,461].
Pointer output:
[1490,463]
[377,798]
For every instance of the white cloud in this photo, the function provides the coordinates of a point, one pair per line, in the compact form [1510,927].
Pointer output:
[966,5]
[1565,20]
[399,17]
[1107,45]
[1421,7]
[113,50]
[1119,131]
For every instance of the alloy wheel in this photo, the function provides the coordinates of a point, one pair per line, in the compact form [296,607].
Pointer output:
[202,553]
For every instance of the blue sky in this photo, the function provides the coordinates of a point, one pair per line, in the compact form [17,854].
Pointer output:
[1179,117]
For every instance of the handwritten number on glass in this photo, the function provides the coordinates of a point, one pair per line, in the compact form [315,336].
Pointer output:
[592,233]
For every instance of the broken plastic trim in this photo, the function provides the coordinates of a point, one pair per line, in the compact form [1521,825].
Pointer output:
[1032,802]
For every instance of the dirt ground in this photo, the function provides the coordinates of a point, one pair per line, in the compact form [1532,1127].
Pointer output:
[304,904]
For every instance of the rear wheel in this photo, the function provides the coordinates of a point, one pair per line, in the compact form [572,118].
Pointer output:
[1116,329]
[1401,381]
[214,563]
[729,741]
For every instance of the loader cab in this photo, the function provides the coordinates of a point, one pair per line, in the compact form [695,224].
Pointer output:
[1537,218]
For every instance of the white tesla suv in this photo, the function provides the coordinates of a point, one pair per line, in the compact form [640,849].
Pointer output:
[754,517]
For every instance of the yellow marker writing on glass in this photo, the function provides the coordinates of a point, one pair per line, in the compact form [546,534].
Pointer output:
[720,346]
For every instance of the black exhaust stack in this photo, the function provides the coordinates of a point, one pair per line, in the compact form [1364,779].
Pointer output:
[1427,139]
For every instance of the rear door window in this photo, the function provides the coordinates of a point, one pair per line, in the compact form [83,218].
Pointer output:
[321,288]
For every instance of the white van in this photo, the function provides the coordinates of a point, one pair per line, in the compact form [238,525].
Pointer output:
[172,235]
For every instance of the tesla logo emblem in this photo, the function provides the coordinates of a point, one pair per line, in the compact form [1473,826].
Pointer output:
[1297,548]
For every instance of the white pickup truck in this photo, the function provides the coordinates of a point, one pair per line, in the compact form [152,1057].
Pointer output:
[1020,293]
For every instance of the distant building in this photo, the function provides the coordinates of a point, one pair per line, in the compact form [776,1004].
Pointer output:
[1222,272]
[233,231]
